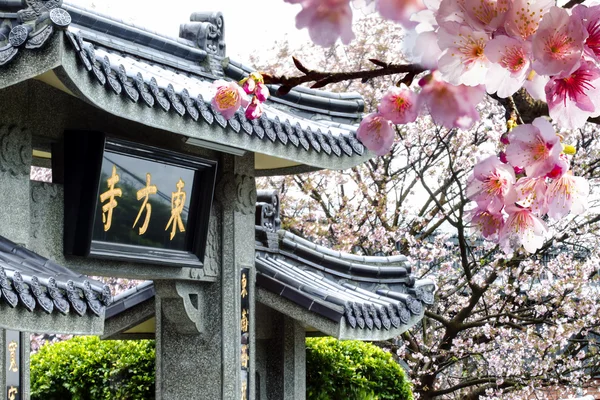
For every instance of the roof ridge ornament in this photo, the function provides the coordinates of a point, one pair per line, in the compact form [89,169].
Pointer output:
[207,31]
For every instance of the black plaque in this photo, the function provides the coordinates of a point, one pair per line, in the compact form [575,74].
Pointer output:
[13,365]
[245,334]
[134,202]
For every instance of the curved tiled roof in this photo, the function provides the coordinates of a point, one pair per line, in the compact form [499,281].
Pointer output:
[174,76]
[374,293]
[33,282]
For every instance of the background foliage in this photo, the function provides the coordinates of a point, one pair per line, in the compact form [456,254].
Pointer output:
[353,370]
[86,368]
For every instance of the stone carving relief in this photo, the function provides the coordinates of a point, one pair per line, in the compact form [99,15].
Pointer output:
[183,304]
[42,194]
[207,31]
[245,190]
[212,259]
[15,151]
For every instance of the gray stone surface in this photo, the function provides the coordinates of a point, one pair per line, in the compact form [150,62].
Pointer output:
[294,360]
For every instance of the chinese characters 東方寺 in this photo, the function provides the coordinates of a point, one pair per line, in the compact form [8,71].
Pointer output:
[177,203]
[178,199]
[145,193]
[107,209]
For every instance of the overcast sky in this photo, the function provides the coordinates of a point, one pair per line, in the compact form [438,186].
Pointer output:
[249,25]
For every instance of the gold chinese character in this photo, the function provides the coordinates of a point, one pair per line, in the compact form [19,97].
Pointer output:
[244,320]
[244,390]
[244,292]
[145,193]
[12,348]
[177,203]
[244,356]
[107,209]
[12,393]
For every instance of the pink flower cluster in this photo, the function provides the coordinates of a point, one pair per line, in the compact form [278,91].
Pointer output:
[509,44]
[529,180]
[452,106]
[230,96]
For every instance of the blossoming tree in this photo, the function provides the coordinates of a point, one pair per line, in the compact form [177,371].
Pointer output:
[515,313]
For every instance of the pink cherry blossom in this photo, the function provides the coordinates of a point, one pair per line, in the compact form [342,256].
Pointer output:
[399,105]
[229,97]
[558,42]
[485,222]
[590,16]
[535,85]
[376,133]
[524,16]
[486,15]
[249,85]
[531,193]
[510,65]
[463,60]
[400,10]
[536,147]
[490,183]
[255,109]
[522,228]
[326,20]
[449,105]
[567,194]
[573,97]
[560,168]
[262,92]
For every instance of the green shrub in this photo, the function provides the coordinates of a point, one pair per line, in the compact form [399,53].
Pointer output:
[86,368]
[352,370]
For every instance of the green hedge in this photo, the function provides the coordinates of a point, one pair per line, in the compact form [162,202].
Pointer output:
[352,370]
[86,368]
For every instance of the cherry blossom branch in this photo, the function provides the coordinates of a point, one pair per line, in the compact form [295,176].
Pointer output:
[322,78]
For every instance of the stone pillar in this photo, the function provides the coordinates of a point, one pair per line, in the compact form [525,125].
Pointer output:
[294,360]
[198,323]
[22,375]
[281,356]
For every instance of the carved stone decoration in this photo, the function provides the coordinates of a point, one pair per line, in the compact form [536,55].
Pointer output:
[281,135]
[175,100]
[207,31]
[258,130]
[75,299]
[57,297]
[183,303]
[204,111]
[41,6]
[333,143]
[403,313]
[23,291]
[128,84]
[289,129]
[235,125]
[111,76]
[15,151]
[312,140]
[385,319]
[212,257]
[356,145]
[91,298]
[246,125]
[7,290]
[302,136]
[143,89]
[41,193]
[345,146]
[268,127]
[245,190]
[349,316]
[18,35]
[7,53]
[159,95]
[323,142]
[189,105]
[42,298]
[38,39]
[59,17]
[394,317]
